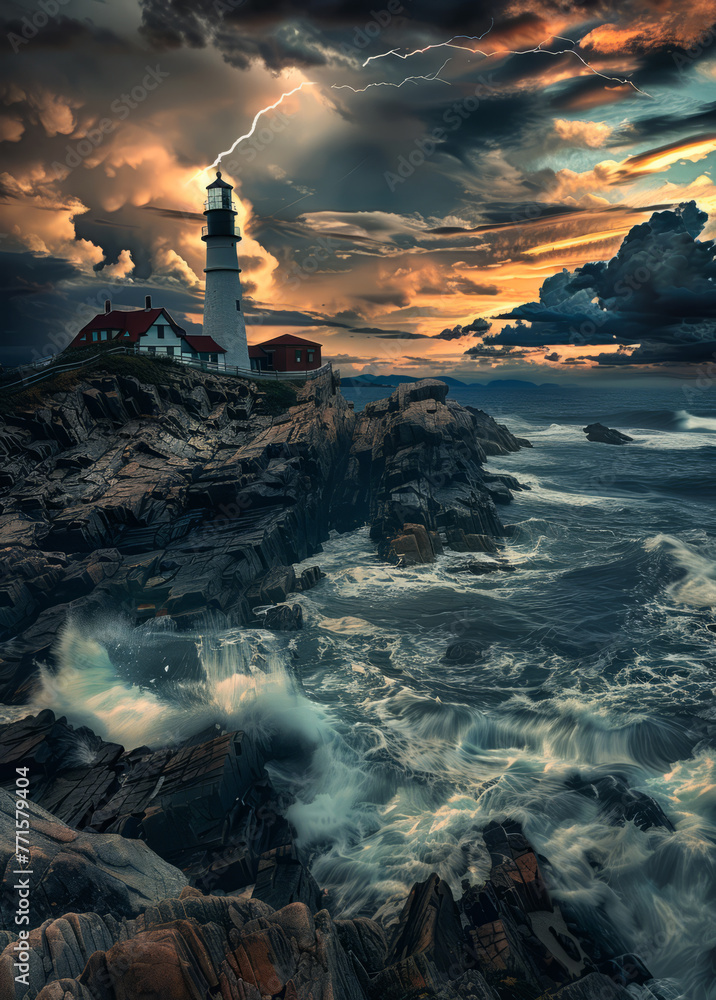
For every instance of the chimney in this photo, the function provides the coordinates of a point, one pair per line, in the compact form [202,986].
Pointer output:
[147,303]
[107,306]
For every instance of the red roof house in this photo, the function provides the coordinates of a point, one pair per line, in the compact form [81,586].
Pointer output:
[151,330]
[287,353]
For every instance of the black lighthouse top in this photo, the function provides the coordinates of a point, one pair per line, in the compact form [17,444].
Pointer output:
[219,209]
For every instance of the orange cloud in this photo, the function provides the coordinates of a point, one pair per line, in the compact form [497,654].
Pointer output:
[680,26]
[582,133]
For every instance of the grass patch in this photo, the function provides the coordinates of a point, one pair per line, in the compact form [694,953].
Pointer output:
[278,396]
[149,369]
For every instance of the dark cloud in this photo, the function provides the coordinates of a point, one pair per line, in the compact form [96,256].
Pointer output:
[374,331]
[477,328]
[58,33]
[659,291]
[258,315]
[48,299]
[399,336]
[389,297]
[469,287]
[349,359]
[485,353]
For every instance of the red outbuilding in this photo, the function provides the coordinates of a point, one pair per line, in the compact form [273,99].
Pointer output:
[286,353]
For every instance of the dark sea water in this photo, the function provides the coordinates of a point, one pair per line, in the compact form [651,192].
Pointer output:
[595,657]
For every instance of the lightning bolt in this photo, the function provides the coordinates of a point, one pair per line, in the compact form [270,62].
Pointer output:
[384,83]
[436,45]
[514,52]
[257,116]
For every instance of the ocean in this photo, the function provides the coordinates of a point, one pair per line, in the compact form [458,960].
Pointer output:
[594,656]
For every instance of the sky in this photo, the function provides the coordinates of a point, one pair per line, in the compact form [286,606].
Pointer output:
[485,190]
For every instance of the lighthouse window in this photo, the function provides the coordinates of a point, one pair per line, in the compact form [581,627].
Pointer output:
[238,304]
[298,355]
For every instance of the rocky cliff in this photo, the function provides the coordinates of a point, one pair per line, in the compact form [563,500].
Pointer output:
[170,872]
[173,499]
[186,497]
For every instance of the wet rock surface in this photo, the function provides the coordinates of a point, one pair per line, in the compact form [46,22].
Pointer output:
[502,939]
[189,499]
[415,474]
[177,500]
[606,435]
[171,872]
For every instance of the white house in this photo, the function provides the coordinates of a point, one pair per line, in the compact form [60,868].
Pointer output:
[153,331]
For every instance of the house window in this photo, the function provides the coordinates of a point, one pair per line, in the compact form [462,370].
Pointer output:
[126,333]
[95,336]
[269,363]
[170,352]
[214,358]
[310,355]
[103,334]
[298,355]
[152,350]
[160,331]
[83,337]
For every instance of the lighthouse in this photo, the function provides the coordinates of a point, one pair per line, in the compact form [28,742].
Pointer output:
[223,318]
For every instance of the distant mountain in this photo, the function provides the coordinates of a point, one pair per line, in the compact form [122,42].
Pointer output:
[389,380]
[516,383]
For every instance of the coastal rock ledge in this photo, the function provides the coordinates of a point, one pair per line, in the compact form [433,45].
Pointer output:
[195,494]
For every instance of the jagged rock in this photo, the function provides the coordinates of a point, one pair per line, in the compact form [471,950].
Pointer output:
[309,578]
[415,544]
[495,438]
[273,587]
[186,471]
[81,870]
[514,927]
[415,976]
[606,435]
[593,987]
[283,618]
[619,804]
[282,879]
[430,925]
[469,986]
[365,939]
[223,947]
[411,458]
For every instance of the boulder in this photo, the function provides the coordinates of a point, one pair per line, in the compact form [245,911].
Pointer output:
[605,435]
[414,544]
[283,618]
[83,871]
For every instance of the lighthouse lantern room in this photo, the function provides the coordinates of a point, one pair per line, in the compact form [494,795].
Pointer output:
[223,318]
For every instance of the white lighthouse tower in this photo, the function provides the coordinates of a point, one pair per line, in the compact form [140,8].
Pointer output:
[223,318]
